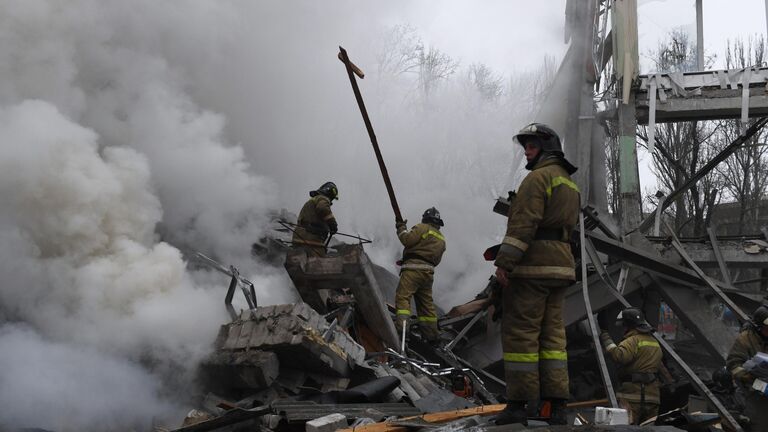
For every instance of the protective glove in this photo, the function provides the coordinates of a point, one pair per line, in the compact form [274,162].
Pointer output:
[605,337]
[333,226]
[508,256]
[502,276]
[401,225]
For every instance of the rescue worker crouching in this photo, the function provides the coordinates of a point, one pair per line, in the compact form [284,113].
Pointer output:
[752,339]
[316,220]
[535,266]
[424,246]
[639,359]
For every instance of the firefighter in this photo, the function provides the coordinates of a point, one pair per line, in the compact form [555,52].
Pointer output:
[639,359]
[535,266]
[424,246]
[752,339]
[316,221]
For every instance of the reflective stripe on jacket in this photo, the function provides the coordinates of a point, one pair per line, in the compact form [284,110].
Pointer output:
[747,344]
[424,241]
[638,353]
[313,221]
[547,199]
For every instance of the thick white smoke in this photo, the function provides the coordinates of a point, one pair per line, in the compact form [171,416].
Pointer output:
[81,266]
[129,128]
[101,145]
[40,378]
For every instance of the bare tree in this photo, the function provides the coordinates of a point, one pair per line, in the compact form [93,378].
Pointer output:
[745,173]
[682,148]
[401,51]
[526,91]
[434,66]
[488,84]
[398,51]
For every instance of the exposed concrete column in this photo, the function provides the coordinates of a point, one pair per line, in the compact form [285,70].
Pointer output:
[700,34]
[626,63]
[629,179]
[766,19]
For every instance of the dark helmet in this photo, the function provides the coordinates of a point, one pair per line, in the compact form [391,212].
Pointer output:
[431,215]
[760,316]
[328,189]
[722,377]
[546,137]
[632,318]
[547,140]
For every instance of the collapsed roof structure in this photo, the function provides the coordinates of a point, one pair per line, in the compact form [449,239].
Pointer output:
[338,352]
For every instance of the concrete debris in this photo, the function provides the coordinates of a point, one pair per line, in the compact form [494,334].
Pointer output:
[328,423]
[294,333]
[290,366]
[242,369]
[196,416]
[611,416]
[320,280]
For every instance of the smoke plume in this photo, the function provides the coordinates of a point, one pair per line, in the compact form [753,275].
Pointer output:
[130,129]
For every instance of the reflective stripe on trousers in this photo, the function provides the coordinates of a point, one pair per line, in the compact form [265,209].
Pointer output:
[553,359]
[530,362]
[521,362]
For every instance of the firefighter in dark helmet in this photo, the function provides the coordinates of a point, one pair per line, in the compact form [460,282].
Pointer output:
[316,220]
[638,357]
[535,266]
[424,246]
[752,339]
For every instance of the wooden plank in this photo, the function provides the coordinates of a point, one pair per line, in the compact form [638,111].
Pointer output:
[446,416]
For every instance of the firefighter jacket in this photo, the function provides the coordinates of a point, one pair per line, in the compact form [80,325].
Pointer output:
[747,344]
[639,359]
[424,246]
[313,222]
[540,223]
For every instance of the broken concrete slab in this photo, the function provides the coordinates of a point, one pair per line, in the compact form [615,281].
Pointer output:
[294,333]
[442,400]
[252,369]
[351,269]
[302,411]
[328,423]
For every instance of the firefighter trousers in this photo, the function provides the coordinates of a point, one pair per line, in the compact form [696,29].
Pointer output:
[416,284]
[533,339]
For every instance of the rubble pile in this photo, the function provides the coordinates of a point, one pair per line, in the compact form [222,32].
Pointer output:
[286,367]
[334,361]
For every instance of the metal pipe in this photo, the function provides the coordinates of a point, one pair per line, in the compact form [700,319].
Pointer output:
[725,299]
[591,319]
[466,328]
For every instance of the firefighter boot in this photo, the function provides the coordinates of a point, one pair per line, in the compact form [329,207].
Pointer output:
[514,412]
[558,414]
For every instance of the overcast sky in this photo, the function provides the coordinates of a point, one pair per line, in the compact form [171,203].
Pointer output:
[501,33]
